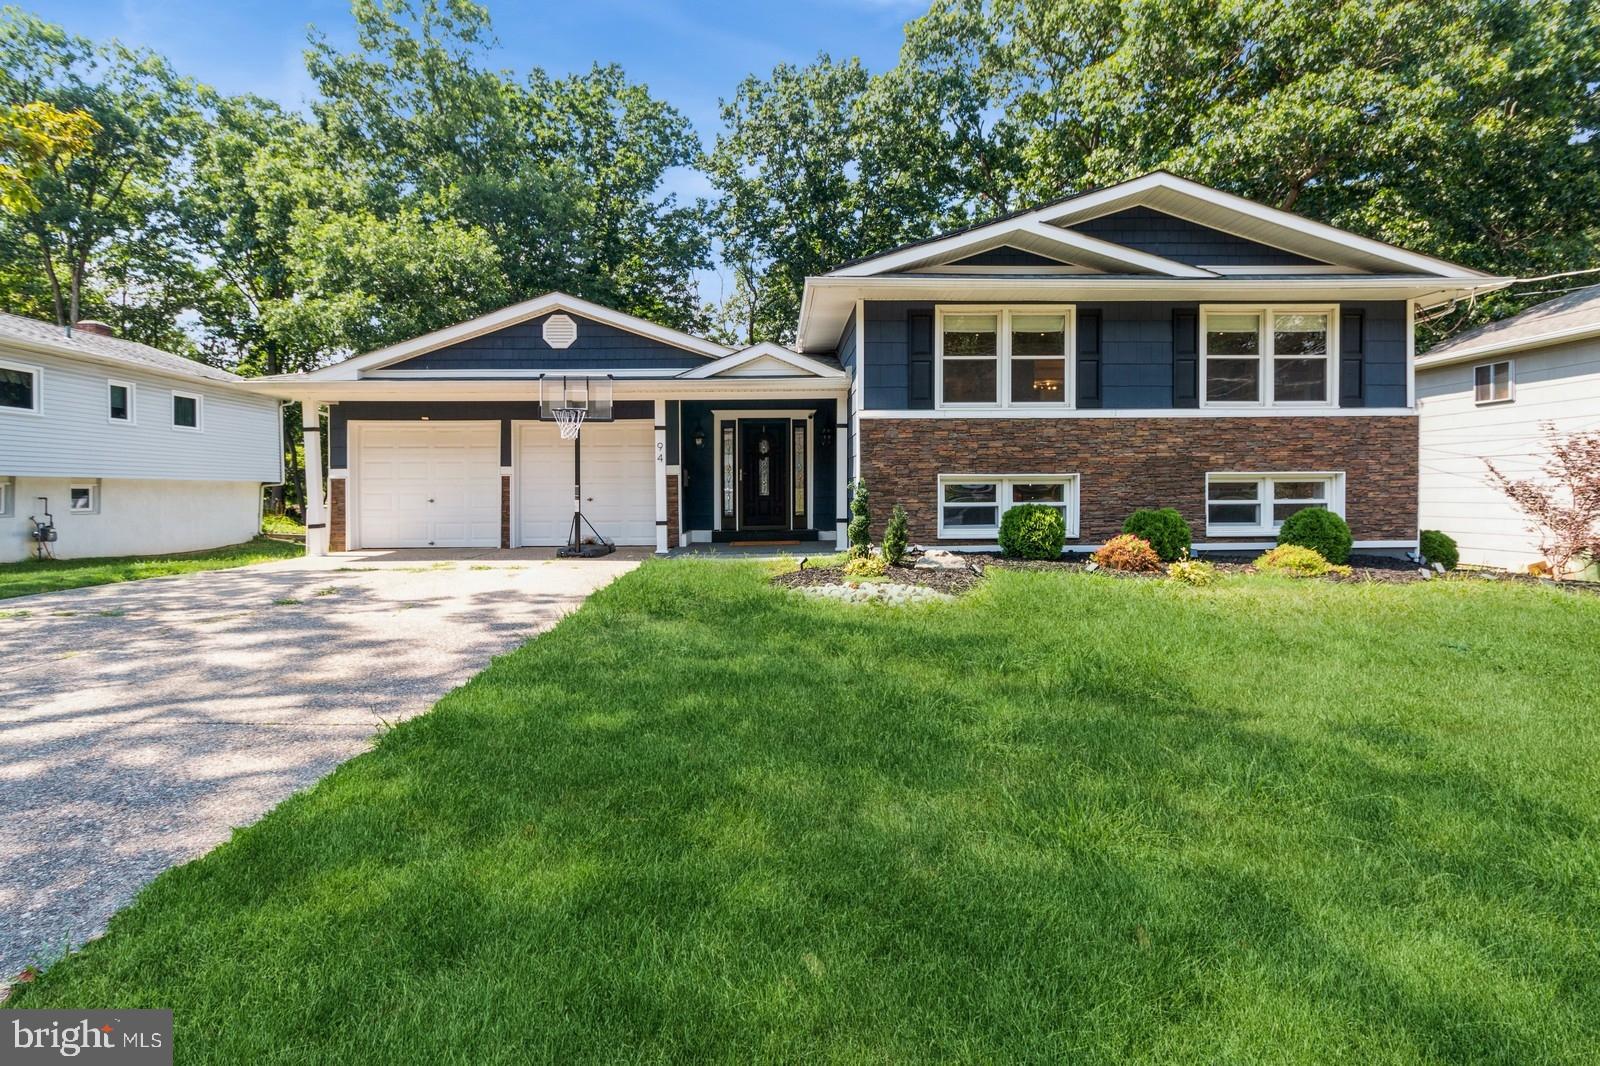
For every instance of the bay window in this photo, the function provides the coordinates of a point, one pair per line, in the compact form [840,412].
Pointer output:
[971,506]
[1259,503]
[1267,356]
[1003,357]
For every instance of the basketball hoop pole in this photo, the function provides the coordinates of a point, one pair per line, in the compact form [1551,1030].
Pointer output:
[576,548]
[569,402]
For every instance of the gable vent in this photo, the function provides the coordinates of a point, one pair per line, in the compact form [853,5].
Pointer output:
[560,331]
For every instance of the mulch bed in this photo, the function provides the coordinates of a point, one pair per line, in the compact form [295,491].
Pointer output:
[1379,568]
[955,582]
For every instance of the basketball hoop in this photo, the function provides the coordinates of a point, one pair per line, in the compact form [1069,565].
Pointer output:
[569,420]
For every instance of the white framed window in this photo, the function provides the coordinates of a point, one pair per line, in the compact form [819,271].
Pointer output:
[8,493]
[20,387]
[119,402]
[186,410]
[970,506]
[1493,383]
[1256,503]
[1005,356]
[1268,356]
[84,498]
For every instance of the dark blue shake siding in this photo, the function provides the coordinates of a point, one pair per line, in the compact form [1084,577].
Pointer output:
[1136,345]
[1171,237]
[698,464]
[522,347]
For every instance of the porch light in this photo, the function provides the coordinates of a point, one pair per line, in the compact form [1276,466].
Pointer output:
[699,437]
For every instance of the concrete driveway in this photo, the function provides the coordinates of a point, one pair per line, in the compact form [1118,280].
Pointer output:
[140,723]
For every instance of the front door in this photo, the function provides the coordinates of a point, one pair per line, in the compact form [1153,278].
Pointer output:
[764,474]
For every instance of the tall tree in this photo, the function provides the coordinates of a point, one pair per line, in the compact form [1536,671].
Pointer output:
[118,190]
[1462,128]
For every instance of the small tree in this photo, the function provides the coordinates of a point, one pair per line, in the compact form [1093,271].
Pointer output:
[1564,505]
[860,528]
[895,537]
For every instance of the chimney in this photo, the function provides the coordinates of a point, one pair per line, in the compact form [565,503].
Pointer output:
[99,329]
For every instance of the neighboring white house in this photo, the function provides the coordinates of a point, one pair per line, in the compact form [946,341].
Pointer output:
[134,450]
[1485,395]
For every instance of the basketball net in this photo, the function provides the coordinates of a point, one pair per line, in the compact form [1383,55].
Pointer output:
[569,420]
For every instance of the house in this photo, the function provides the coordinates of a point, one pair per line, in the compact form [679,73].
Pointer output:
[1154,343]
[132,450]
[1485,395]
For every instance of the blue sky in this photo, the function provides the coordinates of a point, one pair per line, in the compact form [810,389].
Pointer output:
[690,54]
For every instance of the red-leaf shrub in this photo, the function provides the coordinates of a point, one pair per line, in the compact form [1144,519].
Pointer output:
[1128,552]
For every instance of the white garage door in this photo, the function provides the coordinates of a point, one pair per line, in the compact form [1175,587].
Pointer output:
[619,492]
[428,485]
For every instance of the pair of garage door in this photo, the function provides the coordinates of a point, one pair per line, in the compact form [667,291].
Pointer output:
[437,484]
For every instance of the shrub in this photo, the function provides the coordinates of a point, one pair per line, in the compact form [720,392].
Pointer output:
[1195,572]
[1322,531]
[1295,560]
[1128,552]
[1032,531]
[894,537]
[866,564]
[1164,528]
[859,531]
[1439,548]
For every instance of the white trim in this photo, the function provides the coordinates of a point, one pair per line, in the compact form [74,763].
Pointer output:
[199,411]
[1264,480]
[1063,269]
[1146,412]
[1003,502]
[1511,383]
[1267,355]
[510,316]
[767,350]
[659,423]
[996,234]
[1003,356]
[1510,344]
[1135,191]
[734,415]
[38,387]
[1411,353]
[133,415]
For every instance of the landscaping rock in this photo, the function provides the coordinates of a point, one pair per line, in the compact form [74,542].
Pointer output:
[890,593]
[941,560]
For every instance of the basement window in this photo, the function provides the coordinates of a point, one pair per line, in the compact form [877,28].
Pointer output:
[84,498]
[1259,503]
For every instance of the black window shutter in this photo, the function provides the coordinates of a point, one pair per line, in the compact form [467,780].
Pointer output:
[1186,358]
[1089,359]
[1351,358]
[919,360]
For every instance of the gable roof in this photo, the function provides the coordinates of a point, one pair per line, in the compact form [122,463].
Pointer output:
[766,360]
[1180,198]
[1572,316]
[510,316]
[33,335]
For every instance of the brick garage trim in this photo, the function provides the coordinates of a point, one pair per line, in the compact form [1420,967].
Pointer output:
[672,510]
[1123,464]
[505,510]
[337,535]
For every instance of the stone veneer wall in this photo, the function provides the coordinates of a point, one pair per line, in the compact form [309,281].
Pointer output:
[1126,463]
[672,511]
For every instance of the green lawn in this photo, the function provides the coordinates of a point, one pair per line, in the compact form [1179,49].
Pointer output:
[53,575]
[1069,818]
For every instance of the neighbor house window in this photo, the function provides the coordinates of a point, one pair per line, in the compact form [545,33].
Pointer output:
[119,398]
[1267,355]
[1491,382]
[1005,357]
[971,507]
[19,387]
[1259,503]
[185,410]
[7,494]
[84,499]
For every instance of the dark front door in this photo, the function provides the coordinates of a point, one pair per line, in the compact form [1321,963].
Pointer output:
[764,474]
